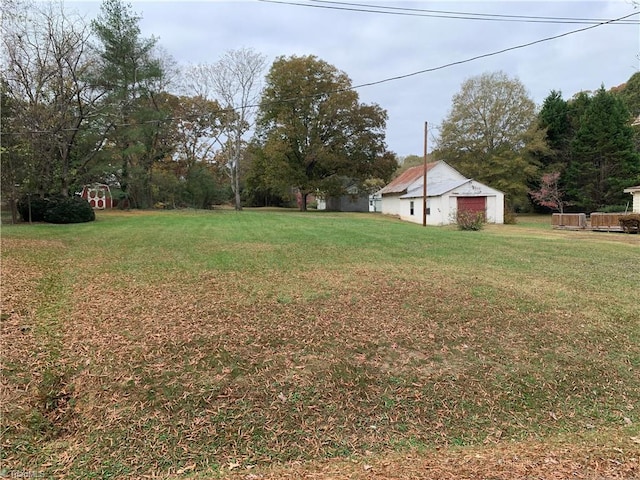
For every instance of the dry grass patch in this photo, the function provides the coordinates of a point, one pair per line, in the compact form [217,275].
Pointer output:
[579,459]
[161,370]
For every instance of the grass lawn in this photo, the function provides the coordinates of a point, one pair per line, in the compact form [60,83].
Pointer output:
[277,344]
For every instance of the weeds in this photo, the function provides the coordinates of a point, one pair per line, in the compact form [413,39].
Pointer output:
[468,220]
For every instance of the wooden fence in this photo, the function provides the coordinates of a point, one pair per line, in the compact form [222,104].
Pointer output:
[569,220]
[607,222]
[602,222]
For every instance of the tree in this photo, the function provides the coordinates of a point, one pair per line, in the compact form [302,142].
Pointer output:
[190,142]
[313,130]
[192,132]
[411,161]
[263,185]
[554,118]
[490,134]
[233,82]
[131,73]
[630,94]
[13,155]
[604,160]
[550,194]
[53,103]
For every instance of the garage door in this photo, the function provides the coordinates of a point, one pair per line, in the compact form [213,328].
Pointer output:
[472,204]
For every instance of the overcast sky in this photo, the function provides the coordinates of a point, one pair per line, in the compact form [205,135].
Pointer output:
[373,47]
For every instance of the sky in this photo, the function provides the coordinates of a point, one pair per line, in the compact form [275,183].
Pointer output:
[377,48]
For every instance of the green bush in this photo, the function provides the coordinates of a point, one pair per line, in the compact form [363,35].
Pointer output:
[70,210]
[469,220]
[38,206]
[612,209]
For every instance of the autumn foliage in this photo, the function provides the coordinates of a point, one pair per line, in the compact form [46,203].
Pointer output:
[550,194]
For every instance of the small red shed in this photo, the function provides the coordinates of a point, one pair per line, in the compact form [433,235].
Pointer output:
[98,195]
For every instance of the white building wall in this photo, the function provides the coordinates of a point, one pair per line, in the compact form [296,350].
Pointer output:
[405,210]
[636,202]
[495,209]
[434,207]
[391,205]
[442,172]
[443,208]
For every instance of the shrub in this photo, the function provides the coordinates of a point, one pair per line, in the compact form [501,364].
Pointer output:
[510,218]
[70,210]
[467,220]
[39,206]
[630,223]
[612,209]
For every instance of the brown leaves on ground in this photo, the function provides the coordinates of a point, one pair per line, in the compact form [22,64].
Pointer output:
[503,461]
[217,372]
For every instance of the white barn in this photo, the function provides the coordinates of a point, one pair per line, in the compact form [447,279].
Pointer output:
[447,192]
[635,191]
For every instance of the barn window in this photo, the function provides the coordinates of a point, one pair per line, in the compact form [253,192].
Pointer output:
[411,208]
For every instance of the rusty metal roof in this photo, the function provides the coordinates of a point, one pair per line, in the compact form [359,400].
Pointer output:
[435,189]
[401,183]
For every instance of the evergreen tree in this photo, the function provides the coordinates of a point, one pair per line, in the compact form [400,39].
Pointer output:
[131,75]
[555,120]
[604,160]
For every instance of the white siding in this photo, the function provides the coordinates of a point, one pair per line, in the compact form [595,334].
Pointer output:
[434,207]
[495,199]
[391,204]
[443,205]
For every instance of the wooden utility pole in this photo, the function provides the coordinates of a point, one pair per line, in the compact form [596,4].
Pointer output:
[424,180]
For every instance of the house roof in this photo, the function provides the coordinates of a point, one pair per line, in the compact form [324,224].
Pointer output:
[435,189]
[401,183]
[632,189]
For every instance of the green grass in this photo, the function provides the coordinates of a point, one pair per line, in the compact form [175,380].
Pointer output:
[162,342]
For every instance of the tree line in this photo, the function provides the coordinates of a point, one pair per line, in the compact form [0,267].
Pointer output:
[579,153]
[96,101]
[86,102]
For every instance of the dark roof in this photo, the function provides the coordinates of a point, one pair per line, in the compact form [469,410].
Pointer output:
[405,179]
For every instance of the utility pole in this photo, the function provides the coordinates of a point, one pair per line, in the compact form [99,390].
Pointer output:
[424,180]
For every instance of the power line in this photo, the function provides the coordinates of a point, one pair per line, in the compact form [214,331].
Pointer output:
[385,80]
[446,14]
[498,52]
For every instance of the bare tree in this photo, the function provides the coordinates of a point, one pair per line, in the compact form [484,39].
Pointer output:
[47,65]
[234,81]
[46,70]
